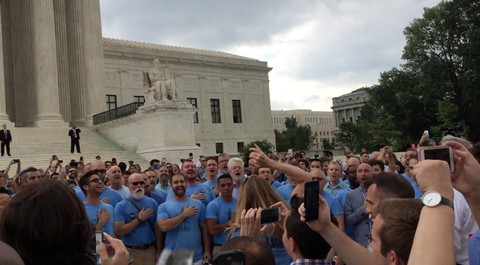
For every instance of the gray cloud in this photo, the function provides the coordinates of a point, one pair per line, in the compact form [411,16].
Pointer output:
[348,44]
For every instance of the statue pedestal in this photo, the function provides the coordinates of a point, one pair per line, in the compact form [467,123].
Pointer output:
[158,130]
[165,129]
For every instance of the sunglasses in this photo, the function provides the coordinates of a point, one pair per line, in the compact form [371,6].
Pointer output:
[96,180]
[136,183]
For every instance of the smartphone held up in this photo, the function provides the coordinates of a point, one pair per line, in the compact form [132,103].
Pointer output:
[440,152]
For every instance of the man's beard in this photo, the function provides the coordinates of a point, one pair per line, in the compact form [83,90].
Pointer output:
[138,194]
[179,193]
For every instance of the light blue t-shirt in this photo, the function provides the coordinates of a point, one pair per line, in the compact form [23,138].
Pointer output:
[92,213]
[144,233]
[187,235]
[285,191]
[333,203]
[197,188]
[222,211]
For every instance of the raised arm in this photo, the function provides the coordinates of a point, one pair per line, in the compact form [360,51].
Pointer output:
[298,174]
[436,223]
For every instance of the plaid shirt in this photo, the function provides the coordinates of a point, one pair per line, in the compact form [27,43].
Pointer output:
[311,262]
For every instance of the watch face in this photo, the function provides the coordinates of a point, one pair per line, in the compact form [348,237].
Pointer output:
[432,199]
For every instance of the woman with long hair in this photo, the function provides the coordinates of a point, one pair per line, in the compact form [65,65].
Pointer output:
[255,192]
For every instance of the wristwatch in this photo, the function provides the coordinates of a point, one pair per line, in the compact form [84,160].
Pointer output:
[433,199]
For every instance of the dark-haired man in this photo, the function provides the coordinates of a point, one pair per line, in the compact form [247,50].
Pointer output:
[211,174]
[183,219]
[304,245]
[385,185]
[99,213]
[219,211]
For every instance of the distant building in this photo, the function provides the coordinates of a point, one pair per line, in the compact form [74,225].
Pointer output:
[321,122]
[346,108]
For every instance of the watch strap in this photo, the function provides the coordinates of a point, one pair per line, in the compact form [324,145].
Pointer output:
[447,202]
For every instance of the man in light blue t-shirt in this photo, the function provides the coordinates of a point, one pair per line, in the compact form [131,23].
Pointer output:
[183,219]
[220,211]
[99,213]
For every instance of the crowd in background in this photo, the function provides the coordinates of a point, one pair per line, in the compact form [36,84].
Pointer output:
[370,210]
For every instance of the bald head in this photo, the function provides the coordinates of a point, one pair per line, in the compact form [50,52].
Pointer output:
[97,165]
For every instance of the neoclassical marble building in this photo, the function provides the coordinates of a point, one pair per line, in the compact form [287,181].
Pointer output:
[56,69]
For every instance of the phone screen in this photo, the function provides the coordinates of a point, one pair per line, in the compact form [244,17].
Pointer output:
[270,215]
[311,200]
[98,240]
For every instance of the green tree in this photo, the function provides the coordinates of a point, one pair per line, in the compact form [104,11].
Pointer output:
[437,87]
[443,47]
[327,144]
[295,137]
[347,137]
[264,144]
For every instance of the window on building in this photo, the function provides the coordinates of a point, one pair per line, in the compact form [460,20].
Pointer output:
[218,148]
[240,147]
[351,119]
[193,101]
[215,108]
[111,102]
[237,111]
[140,99]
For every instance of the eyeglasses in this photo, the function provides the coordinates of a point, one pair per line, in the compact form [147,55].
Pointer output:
[96,180]
[136,183]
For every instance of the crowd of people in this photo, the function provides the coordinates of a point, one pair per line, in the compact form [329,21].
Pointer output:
[372,209]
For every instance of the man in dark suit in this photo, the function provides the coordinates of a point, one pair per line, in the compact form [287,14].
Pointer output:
[74,134]
[6,138]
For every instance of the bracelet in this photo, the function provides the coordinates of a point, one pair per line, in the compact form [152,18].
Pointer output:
[139,220]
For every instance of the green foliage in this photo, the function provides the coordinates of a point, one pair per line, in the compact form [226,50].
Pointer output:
[327,145]
[348,135]
[294,137]
[436,88]
[264,144]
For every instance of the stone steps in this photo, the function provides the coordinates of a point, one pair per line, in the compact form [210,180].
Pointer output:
[35,146]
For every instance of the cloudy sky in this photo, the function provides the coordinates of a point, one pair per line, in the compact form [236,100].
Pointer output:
[318,49]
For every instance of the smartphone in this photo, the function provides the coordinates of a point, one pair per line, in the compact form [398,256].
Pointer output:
[81,158]
[60,161]
[16,161]
[311,200]
[229,257]
[98,240]
[270,215]
[439,152]
[290,151]
[155,166]
[425,132]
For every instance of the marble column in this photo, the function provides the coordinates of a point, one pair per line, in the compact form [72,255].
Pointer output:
[45,64]
[85,46]
[22,53]
[93,45]
[76,68]
[3,113]
[62,58]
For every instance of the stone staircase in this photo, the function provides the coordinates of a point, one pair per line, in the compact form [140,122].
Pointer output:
[35,147]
